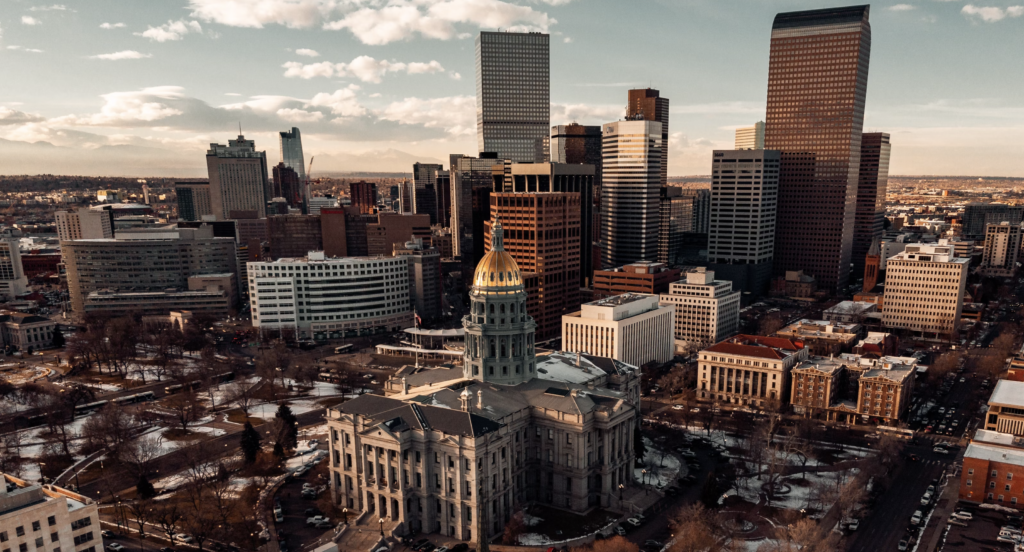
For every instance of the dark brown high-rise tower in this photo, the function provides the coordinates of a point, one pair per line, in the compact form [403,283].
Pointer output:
[647,103]
[364,196]
[872,185]
[817,81]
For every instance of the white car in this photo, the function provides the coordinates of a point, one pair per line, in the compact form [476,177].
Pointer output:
[916,518]
[940,450]
[182,538]
[678,407]
[963,515]
[115,547]
[926,499]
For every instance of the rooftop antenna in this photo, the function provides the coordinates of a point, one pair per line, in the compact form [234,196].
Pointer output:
[239,128]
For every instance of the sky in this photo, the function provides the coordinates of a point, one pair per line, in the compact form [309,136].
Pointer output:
[140,88]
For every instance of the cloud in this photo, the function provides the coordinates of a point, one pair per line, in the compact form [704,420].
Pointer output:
[991,14]
[901,7]
[364,68]
[123,54]
[585,113]
[456,115]
[111,25]
[232,94]
[29,20]
[54,7]
[10,116]
[307,52]
[123,108]
[172,30]
[298,115]
[567,39]
[454,75]
[342,102]
[373,21]
[23,49]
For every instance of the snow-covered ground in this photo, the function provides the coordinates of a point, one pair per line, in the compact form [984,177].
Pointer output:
[667,468]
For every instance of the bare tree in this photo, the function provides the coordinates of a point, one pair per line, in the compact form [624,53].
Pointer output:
[698,529]
[243,394]
[139,454]
[186,407]
[168,516]
[141,510]
[111,427]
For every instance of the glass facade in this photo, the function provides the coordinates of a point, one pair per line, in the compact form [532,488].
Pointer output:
[872,185]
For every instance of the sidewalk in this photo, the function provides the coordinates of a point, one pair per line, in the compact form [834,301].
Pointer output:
[943,509]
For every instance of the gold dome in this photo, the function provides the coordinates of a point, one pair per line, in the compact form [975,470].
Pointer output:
[497,271]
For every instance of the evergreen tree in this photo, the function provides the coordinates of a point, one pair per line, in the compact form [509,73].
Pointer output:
[287,426]
[639,449]
[58,338]
[144,488]
[278,450]
[250,443]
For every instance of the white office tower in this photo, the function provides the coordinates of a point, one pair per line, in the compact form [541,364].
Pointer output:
[291,153]
[924,289]
[84,224]
[1002,248]
[632,327]
[12,275]
[741,234]
[320,297]
[751,137]
[513,98]
[707,310]
[630,196]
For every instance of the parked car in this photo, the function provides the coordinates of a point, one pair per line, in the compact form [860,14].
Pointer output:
[963,515]
[316,519]
[926,499]
[903,545]
[940,450]
[634,522]
[620,531]
[108,534]
[916,518]
[278,517]
[182,538]
[852,524]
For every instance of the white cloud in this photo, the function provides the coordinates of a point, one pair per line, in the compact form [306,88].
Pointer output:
[10,116]
[29,20]
[567,39]
[455,75]
[364,68]
[456,115]
[374,21]
[111,25]
[172,30]
[901,7]
[992,14]
[23,49]
[123,108]
[123,54]
[232,94]
[585,113]
[342,103]
[54,7]
[307,52]
[293,115]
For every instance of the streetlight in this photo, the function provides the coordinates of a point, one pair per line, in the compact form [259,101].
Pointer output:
[381,527]
[646,490]
[344,512]
[621,486]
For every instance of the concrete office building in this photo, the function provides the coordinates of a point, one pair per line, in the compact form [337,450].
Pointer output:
[319,297]
[291,155]
[701,209]
[751,137]
[238,178]
[639,277]
[513,97]
[144,261]
[13,281]
[1006,408]
[676,219]
[977,217]
[817,83]
[631,327]
[294,235]
[46,517]
[744,200]
[823,337]
[560,178]
[85,224]
[289,186]
[647,104]
[1002,249]
[748,370]
[924,289]
[872,186]
[424,191]
[193,201]
[364,196]
[454,451]
[632,156]
[321,202]
[707,310]
[425,285]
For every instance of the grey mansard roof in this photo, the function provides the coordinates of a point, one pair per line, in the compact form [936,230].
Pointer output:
[398,416]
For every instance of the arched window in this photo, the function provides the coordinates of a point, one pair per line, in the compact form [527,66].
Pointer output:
[502,309]
[492,348]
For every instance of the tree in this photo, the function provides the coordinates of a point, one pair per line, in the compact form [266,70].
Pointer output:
[141,510]
[243,394]
[698,529]
[144,488]
[614,544]
[208,369]
[639,448]
[250,444]
[515,527]
[186,407]
[58,337]
[803,536]
[138,455]
[286,427]
[168,516]
[771,324]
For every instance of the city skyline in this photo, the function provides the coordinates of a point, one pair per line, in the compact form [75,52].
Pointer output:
[362,86]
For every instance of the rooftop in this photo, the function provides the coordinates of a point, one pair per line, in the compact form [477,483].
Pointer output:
[994,453]
[1008,393]
[616,300]
[757,346]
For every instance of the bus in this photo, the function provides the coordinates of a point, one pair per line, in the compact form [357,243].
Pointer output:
[344,349]
[896,432]
[136,398]
[87,408]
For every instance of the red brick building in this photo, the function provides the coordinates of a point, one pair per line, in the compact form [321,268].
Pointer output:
[993,470]
[640,277]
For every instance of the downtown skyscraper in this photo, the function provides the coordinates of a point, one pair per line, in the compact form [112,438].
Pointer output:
[630,196]
[513,97]
[238,179]
[872,185]
[291,153]
[649,105]
[817,82]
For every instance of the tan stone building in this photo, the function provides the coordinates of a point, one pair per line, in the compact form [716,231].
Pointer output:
[748,369]
[851,388]
[455,450]
[26,332]
[823,337]
[1006,408]
[924,287]
[46,517]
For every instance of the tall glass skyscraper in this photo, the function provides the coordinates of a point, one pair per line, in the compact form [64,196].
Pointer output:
[513,97]
[817,81]
[291,153]
[630,196]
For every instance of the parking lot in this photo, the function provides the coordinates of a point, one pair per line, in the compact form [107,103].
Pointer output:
[980,533]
